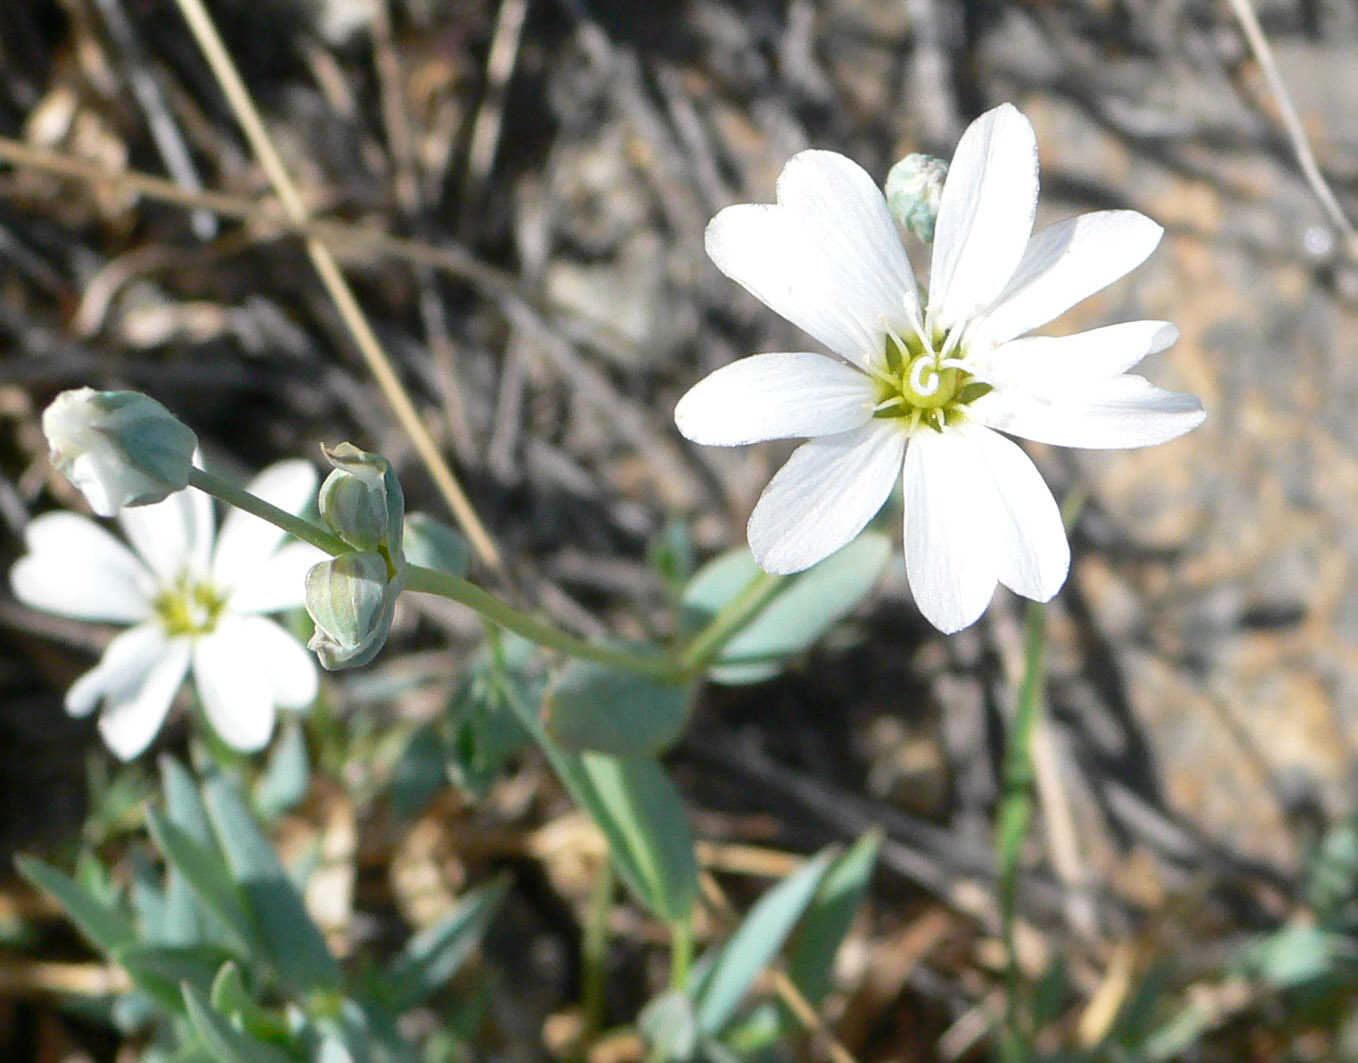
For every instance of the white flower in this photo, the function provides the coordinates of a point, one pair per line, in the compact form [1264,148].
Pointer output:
[190,604]
[120,448]
[924,386]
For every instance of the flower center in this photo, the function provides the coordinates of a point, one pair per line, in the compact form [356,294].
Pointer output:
[189,606]
[917,384]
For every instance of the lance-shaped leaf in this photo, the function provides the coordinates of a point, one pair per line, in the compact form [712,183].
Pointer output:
[804,609]
[107,928]
[210,879]
[728,974]
[295,945]
[226,1043]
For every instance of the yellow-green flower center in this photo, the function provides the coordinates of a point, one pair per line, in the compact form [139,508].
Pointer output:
[189,606]
[918,385]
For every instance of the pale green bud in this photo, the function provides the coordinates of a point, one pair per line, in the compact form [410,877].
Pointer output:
[120,448]
[432,544]
[914,189]
[362,502]
[351,599]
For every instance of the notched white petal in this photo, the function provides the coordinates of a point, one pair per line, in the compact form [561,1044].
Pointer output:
[775,396]
[75,568]
[1066,263]
[246,542]
[120,672]
[1126,411]
[128,723]
[237,695]
[826,493]
[1051,364]
[985,217]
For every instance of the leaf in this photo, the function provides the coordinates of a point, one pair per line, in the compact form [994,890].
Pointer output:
[636,807]
[229,997]
[755,943]
[640,813]
[430,543]
[594,707]
[295,945]
[434,955]
[287,776]
[1292,956]
[106,928]
[670,1026]
[210,879]
[224,1041]
[811,960]
[183,803]
[801,612]
[159,971]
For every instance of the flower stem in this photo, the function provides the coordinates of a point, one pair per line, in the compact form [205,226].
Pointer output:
[681,953]
[1011,830]
[707,645]
[594,955]
[281,518]
[457,589]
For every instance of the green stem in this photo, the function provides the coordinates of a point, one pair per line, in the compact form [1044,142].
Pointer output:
[243,499]
[681,953]
[594,956]
[457,589]
[1013,821]
[431,581]
[707,645]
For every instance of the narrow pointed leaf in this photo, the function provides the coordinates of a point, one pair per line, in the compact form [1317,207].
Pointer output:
[811,960]
[223,1041]
[755,943]
[295,945]
[434,955]
[287,776]
[106,928]
[210,879]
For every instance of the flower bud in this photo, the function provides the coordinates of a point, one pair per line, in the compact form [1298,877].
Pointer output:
[432,544]
[120,448]
[362,502]
[914,188]
[351,599]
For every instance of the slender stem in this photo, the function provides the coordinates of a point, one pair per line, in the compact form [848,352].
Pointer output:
[1014,819]
[243,499]
[681,953]
[594,956]
[705,647]
[454,588]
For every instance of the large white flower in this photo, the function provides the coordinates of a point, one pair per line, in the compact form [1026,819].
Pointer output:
[190,604]
[923,385]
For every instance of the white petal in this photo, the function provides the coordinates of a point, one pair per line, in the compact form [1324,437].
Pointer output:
[949,553]
[129,723]
[985,215]
[126,661]
[1126,411]
[278,583]
[289,666]
[237,693]
[246,541]
[174,535]
[75,568]
[1050,364]
[827,256]
[1068,262]
[825,494]
[1030,546]
[775,396]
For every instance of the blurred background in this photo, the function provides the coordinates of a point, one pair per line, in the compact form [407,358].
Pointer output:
[523,187]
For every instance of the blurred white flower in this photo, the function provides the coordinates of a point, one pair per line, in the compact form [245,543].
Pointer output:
[120,448]
[923,385]
[191,604]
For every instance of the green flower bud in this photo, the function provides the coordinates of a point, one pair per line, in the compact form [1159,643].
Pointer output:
[914,188]
[362,502]
[432,544]
[351,599]
[120,448]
